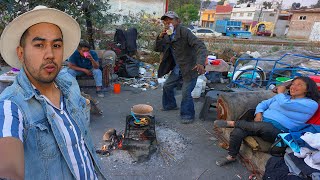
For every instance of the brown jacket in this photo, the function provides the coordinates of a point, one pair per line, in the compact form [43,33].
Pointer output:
[188,51]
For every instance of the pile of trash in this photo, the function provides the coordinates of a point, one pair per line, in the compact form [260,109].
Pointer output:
[144,77]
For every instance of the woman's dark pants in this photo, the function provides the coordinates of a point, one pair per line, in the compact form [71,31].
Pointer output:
[244,128]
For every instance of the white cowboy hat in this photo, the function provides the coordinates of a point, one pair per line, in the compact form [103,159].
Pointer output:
[11,35]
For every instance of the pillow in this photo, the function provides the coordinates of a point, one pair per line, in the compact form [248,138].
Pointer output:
[315,119]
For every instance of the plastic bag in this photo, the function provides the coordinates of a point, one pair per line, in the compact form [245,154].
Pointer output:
[129,68]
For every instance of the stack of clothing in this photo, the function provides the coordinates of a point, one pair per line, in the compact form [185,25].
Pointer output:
[302,160]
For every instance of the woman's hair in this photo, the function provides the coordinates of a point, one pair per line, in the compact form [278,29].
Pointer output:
[312,89]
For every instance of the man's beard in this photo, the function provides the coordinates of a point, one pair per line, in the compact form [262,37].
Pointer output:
[36,73]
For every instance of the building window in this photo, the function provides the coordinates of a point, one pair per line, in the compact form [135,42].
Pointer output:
[241,14]
[208,17]
[234,14]
[238,14]
[272,14]
[302,17]
[249,14]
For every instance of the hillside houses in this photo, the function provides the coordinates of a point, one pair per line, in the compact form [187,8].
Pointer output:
[301,24]
[305,24]
[153,8]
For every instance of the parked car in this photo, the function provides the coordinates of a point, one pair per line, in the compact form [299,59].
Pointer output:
[206,32]
[263,33]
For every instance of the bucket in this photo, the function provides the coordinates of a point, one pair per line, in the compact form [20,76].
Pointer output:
[280,80]
[116,88]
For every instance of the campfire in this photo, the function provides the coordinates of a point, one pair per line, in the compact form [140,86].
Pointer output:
[139,138]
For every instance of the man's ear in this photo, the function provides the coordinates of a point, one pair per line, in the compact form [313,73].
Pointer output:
[20,53]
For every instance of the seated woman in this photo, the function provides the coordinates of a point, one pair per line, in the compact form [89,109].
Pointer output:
[283,112]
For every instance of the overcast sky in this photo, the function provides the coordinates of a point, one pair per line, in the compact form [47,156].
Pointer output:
[288,3]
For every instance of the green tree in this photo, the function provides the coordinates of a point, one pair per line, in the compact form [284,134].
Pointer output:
[188,13]
[267,5]
[90,14]
[205,4]
[245,1]
[175,5]
[147,27]
[295,5]
[221,2]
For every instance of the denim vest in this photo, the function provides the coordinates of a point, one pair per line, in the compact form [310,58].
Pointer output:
[45,151]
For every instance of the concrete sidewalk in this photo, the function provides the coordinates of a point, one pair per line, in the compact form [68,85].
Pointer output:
[193,147]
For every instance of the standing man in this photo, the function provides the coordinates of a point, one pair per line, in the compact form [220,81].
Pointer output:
[43,118]
[86,62]
[184,56]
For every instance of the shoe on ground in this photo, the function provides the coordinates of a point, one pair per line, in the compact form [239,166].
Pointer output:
[224,161]
[187,121]
[172,109]
[100,94]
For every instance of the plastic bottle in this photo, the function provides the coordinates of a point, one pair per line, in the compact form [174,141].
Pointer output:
[170,29]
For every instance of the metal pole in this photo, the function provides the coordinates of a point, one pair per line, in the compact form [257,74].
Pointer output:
[200,21]
[260,14]
[277,17]
[167,6]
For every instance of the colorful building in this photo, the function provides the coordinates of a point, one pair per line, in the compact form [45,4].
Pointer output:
[223,12]
[305,24]
[207,18]
[245,13]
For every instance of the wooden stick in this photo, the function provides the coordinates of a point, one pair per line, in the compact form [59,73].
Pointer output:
[169,154]
[165,160]
[202,173]
[205,129]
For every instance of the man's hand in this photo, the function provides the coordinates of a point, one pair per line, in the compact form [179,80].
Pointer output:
[89,56]
[258,117]
[163,32]
[88,72]
[199,68]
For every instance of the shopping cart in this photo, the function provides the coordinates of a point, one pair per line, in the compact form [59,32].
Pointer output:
[262,73]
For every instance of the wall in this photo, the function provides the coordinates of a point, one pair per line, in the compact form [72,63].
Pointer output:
[280,27]
[301,29]
[208,18]
[315,33]
[240,13]
[155,8]
[268,15]
[222,16]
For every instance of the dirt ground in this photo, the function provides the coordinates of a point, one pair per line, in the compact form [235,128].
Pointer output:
[193,149]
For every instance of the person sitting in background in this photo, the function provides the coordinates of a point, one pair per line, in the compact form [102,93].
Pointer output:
[278,114]
[86,62]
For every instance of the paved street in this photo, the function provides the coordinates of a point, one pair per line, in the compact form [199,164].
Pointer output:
[194,147]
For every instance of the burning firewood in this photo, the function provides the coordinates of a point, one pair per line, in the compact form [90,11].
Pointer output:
[113,141]
[107,135]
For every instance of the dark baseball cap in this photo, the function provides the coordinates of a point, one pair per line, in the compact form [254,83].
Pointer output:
[170,14]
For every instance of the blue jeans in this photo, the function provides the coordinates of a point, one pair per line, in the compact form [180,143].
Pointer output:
[97,75]
[169,101]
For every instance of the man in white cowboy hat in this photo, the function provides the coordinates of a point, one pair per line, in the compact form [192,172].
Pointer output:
[43,118]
